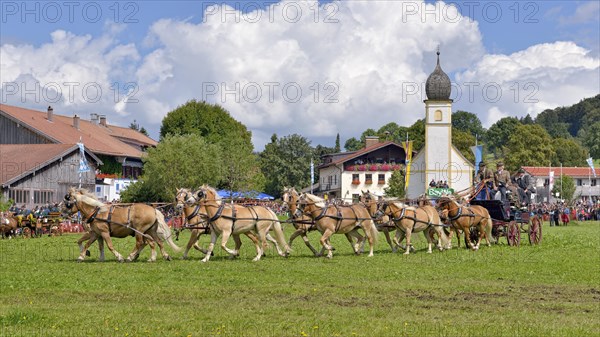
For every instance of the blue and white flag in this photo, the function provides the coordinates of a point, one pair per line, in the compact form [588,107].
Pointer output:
[83,164]
[478,152]
[590,162]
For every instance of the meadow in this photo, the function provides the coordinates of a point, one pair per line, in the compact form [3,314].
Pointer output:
[548,290]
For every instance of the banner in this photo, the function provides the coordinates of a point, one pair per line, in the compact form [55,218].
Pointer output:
[590,162]
[551,181]
[408,150]
[478,152]
[83,164]
[439,192]
[312,175]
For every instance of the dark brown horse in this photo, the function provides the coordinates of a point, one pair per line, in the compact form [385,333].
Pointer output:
[8,226]
[142,221]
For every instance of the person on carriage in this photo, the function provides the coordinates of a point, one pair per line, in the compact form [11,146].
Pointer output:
[524,187]
[484,177]
[502,180]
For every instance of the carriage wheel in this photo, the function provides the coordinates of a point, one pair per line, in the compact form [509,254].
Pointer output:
[513,234]
[474,235]
[535,231]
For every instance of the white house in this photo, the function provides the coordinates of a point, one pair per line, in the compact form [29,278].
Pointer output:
[345,175]
[586,185]
[110,188]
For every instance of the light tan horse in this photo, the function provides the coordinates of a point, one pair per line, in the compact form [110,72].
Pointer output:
[410,219]
[464,218]
[142,221]
[301,222]
[382,221]
[197,220]
[336,219]
[227,219]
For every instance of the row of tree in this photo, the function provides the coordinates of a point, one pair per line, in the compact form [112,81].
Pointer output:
[201,143]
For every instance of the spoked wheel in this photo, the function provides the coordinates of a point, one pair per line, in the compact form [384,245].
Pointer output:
[535,231]
[474,236]
[513,234]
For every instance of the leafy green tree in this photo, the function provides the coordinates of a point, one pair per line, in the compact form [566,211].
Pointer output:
[216,126]
[463,142]
[529,145]
[368,132]
[467,122]
[568,152]
[286,162]
[5,204]
[566,186]
[591,140]
[176,162]
[135,126]
[337,148]
[396,185]
[526,120]
[416,133]
[499,133]
[353,144]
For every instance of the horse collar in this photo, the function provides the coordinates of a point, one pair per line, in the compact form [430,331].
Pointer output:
[322,215]
[93,216]
[458,215]
[401,215]
[194,213]
[218,214]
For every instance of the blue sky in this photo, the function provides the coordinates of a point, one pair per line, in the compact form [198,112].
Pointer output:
[145,43]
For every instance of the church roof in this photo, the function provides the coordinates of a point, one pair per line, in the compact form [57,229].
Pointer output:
[438,85]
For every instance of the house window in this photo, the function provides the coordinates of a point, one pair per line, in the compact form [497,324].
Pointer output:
[368,178]
[117,187]
[381,179]
[437,116]
[335,180]
[594,182]
[579,182]
[355,179]
[98,189]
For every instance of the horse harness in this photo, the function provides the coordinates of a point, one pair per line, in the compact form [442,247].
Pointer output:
[413,218]
[339,217]
[94,217]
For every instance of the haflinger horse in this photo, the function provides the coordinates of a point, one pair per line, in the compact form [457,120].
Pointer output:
[336,219]
[196,219]
[144,222]
[409,219]
[465,217]
[230,219]
[382,221]
[301,222]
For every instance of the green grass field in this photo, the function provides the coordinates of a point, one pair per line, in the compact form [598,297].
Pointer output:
[547,290]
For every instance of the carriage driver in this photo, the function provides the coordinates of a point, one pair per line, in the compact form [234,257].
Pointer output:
[487,176]
[524,187]
[501,180]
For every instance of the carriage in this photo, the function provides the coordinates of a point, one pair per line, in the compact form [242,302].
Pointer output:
[510,222]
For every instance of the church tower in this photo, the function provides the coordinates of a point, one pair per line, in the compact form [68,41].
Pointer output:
[438,126]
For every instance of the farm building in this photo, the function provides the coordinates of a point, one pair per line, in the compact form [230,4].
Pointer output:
[35,175]
[586,184]
[116,150]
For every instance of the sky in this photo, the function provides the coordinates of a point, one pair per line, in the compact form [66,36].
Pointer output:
[306,67]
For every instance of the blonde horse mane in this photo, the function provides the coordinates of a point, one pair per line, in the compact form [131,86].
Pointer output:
[317,201]
[400,204]
[212,190]
[88,198]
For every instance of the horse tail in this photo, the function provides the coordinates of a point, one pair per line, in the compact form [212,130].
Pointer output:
[279,233]
[488,229]
[164,232]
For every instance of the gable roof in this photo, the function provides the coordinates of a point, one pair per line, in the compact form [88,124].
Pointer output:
[365,150]
[543,171]
[106,140]
[30,158]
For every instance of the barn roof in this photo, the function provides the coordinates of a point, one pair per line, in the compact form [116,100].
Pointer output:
[106,140]
[20,160]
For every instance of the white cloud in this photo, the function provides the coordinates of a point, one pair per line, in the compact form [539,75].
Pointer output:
[364,61]
[541,77]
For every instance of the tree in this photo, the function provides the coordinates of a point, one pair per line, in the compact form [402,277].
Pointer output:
[416,133]
[216,126]
[564,185]
[498,134]
[529,145]
[568,152]
[286,162]
[5,204]
[176,162]
[353,144]
[591,140]
[365,134]
[337,148]
[467,122]
[463,142]
[135,126]
[396,185]
[526,120]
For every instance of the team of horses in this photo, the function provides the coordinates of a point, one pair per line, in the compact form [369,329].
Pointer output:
[205,212]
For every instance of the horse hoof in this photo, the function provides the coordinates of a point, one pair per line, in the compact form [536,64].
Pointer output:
[87,253]
[168,258]
[407,253]
[79,260]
